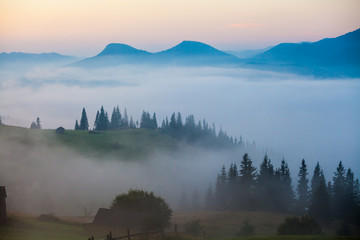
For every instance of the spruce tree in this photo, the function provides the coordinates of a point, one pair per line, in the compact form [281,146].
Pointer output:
[76,125]
[286,190]
[221,190]
[315,180]
[265,185]
[125,120]
[319,207]
[154,124]
[247,182]
[84,124]
[303,189]
[96,122]
[338,191]
[115,122]
[232,186]
[38,123]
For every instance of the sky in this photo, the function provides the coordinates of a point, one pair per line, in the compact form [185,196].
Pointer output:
[84,27]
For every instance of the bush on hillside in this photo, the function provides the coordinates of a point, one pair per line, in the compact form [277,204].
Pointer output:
[158,212]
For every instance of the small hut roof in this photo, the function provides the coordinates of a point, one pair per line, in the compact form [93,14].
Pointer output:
[2,192]
[118,217]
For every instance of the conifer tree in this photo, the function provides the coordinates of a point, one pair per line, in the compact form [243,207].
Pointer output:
[265,185]
[339,191]
[115,122]
[319,207]
[247,182]
[76,125]
[96,120]
[221,190]
[102,121]
[132,123]
[286,190]
[38,123]
[315,180]
[232,187]
[154,124]
[84,124]
[303,188]
[125,120]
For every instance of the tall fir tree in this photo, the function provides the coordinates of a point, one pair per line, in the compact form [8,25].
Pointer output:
[77,125]
[315,180]
[338,189]
[125,119]
[247,182]
[84,124]
[319,207]
[232,187]
[303,189]
[115,122]
[286,189]
[265,185]
[221,190]
[102,121]
[154,124]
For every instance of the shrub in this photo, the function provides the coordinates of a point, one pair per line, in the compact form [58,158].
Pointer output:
[298,226]
[246,229]
[193,227]
[158,212]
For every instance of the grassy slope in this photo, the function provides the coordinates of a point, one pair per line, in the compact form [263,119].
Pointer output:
[129,144]
[28,228]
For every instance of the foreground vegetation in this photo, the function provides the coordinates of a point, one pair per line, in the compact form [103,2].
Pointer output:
[29,228]
[218,226]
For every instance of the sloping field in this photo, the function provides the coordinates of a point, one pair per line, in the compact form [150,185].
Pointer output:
[124,144]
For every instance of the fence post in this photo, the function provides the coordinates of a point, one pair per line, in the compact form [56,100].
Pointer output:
[204,234]
[128,234]
[175,228]
[92,237]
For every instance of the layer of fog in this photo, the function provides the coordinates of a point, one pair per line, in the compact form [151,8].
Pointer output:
[298,117]
[42,178]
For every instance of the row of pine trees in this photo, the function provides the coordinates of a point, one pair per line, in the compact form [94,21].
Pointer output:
[271,189]
[190,131]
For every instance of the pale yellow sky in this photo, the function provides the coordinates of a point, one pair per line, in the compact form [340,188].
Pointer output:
[84,27]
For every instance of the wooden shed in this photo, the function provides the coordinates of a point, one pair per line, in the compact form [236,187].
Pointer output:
[2,205]
[119,218]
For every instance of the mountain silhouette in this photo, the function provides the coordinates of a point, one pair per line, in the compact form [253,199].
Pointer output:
[16,59]
[338,56]
[121,49]
[185,53]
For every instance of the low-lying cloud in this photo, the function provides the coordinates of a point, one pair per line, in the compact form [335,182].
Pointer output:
[296,116]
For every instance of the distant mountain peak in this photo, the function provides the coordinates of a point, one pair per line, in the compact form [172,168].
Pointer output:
[121,49]
[194,48]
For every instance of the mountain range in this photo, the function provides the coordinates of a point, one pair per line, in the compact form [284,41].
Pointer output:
[186,53]
[329,57]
